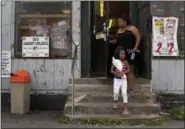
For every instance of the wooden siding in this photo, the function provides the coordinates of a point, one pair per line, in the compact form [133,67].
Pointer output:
[168,75]
[48,75]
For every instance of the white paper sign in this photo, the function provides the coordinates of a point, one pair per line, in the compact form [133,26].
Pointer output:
[5,64]
[35,46]
[164,30]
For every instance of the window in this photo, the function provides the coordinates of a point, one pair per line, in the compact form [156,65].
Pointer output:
[44,19]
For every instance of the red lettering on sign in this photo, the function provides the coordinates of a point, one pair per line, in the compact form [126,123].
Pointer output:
[159,45]
[170,46]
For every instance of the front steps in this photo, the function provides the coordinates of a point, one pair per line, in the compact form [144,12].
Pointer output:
[107,97]
[106,108]
[93,99]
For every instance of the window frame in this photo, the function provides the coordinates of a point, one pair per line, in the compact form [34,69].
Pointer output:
[18,54]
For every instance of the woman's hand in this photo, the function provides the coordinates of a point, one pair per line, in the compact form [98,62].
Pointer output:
[134,49]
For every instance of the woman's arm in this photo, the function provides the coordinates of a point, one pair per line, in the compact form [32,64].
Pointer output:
[136,33]
[119,74]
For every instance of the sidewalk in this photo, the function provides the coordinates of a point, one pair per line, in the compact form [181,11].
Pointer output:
[48,119]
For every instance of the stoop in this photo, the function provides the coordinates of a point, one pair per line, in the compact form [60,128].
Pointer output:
[93,99]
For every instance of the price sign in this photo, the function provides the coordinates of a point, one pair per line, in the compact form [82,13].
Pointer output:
[164,32]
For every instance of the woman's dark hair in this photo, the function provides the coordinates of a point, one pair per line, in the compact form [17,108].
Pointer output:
[117,52]
[126,18]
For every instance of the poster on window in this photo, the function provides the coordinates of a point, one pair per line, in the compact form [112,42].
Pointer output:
[164,34]
[59,39]
[35,46]
[5,64]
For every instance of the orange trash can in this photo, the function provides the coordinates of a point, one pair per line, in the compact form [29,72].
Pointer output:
[20,84]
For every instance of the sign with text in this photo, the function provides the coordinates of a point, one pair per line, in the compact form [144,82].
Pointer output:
[164,34]
[5,64]
[35,46]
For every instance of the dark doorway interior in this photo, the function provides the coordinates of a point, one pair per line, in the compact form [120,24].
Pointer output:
[101,50]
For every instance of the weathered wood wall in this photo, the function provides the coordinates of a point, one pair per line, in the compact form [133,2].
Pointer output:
[49,75]
[168,75]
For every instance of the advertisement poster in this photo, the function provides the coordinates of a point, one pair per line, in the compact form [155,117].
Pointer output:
[35,46]
[5,64]
[164,30]
[59,39]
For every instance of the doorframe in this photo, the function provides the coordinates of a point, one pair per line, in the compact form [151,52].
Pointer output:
[86,39]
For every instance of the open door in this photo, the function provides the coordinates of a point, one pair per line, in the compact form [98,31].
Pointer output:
[99,41]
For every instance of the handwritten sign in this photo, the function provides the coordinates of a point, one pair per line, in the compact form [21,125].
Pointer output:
[35,46]
[164,32]
[5,64]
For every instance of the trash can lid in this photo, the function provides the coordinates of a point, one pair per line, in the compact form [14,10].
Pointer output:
[20,76]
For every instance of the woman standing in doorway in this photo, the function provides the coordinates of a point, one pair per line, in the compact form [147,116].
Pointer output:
[129,38]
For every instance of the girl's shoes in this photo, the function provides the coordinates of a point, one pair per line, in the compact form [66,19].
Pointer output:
[115,105]
[125,112]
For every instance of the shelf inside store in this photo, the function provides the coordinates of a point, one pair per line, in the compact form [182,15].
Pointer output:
[45,15]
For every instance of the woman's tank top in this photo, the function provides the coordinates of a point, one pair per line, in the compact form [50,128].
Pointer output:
[126,39]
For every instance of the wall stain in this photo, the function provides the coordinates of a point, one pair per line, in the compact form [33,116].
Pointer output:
[42,68]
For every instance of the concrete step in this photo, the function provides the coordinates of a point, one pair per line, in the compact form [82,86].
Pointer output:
[105,81]
[107,97]
[134,118]
[81,88]
[106,108]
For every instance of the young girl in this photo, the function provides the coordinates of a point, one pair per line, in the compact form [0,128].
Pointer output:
[119,81]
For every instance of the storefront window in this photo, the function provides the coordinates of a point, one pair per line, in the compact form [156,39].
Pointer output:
[41,21]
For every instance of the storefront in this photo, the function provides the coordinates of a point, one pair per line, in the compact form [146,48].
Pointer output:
[23,22]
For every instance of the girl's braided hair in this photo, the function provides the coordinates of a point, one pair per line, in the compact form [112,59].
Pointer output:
[117,52]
